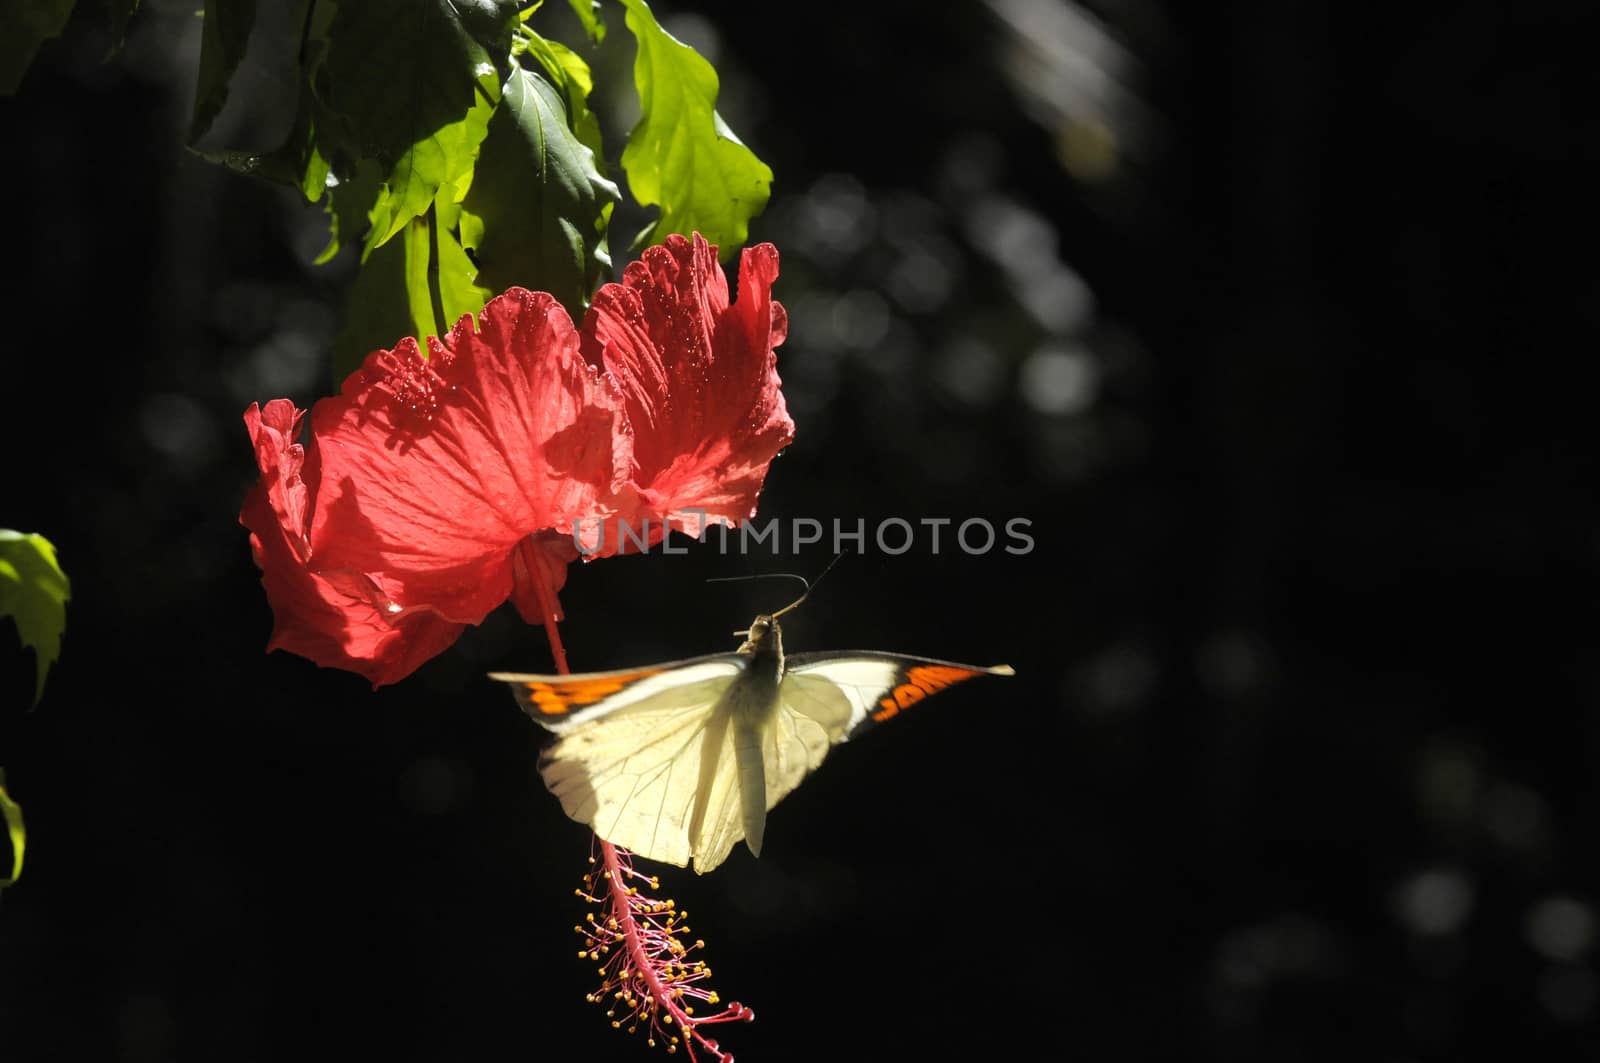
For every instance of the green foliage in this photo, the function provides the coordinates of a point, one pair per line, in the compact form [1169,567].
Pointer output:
[15,832]
[412,265]
[594,23]
[542,201]
[394,74]
[682,155]
[412,86]
[456,146]
[34,593]
[456,127]
[567,70]
[224,35]
[297,162]
[24,26]
[349,200]
[443,157]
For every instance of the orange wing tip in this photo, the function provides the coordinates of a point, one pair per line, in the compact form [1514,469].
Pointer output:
[558,695]
[924,679]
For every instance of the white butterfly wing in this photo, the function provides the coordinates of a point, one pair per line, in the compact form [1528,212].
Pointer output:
[813,713]
[878,686]
[828,698]
[645,757]
[719,824]
[647,764]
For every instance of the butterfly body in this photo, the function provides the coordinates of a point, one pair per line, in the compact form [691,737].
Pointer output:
[678,762]
[752,704]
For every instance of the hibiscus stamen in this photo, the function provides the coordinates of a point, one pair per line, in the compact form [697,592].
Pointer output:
[648,977]
[414,387]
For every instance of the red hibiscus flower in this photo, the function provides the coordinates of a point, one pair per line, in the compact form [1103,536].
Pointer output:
[431,490]
[698,383]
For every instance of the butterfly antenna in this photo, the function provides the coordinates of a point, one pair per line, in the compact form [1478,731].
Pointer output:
[759,575]
[809,588]
[763,575]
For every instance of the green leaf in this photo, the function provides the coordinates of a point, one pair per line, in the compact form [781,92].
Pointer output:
[594,23]
[395,74]
[11,812]
[681,155]
[411,85]
[297,162]
[392,296]
[349,206]
[443,157]
[314,175]
[456,275]
[283,45]
[378,313]
[541,199]
[24,26]
[34,593]
[569,73]
[224,36]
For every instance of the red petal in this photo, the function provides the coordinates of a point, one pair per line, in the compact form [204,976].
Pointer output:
[433,470]
[281,488]
[434,488]
[317,615]
[699,383]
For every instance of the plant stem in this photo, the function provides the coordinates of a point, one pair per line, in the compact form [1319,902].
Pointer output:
[641,944]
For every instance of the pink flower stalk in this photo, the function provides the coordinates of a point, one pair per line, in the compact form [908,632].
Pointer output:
[647,971]
[648,977]
[433,489]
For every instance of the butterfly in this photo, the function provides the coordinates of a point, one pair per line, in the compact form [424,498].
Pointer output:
[680,761]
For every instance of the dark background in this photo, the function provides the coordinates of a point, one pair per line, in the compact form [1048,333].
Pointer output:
[1268,317]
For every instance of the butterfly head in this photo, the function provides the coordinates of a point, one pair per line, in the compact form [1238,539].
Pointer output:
[763,635]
